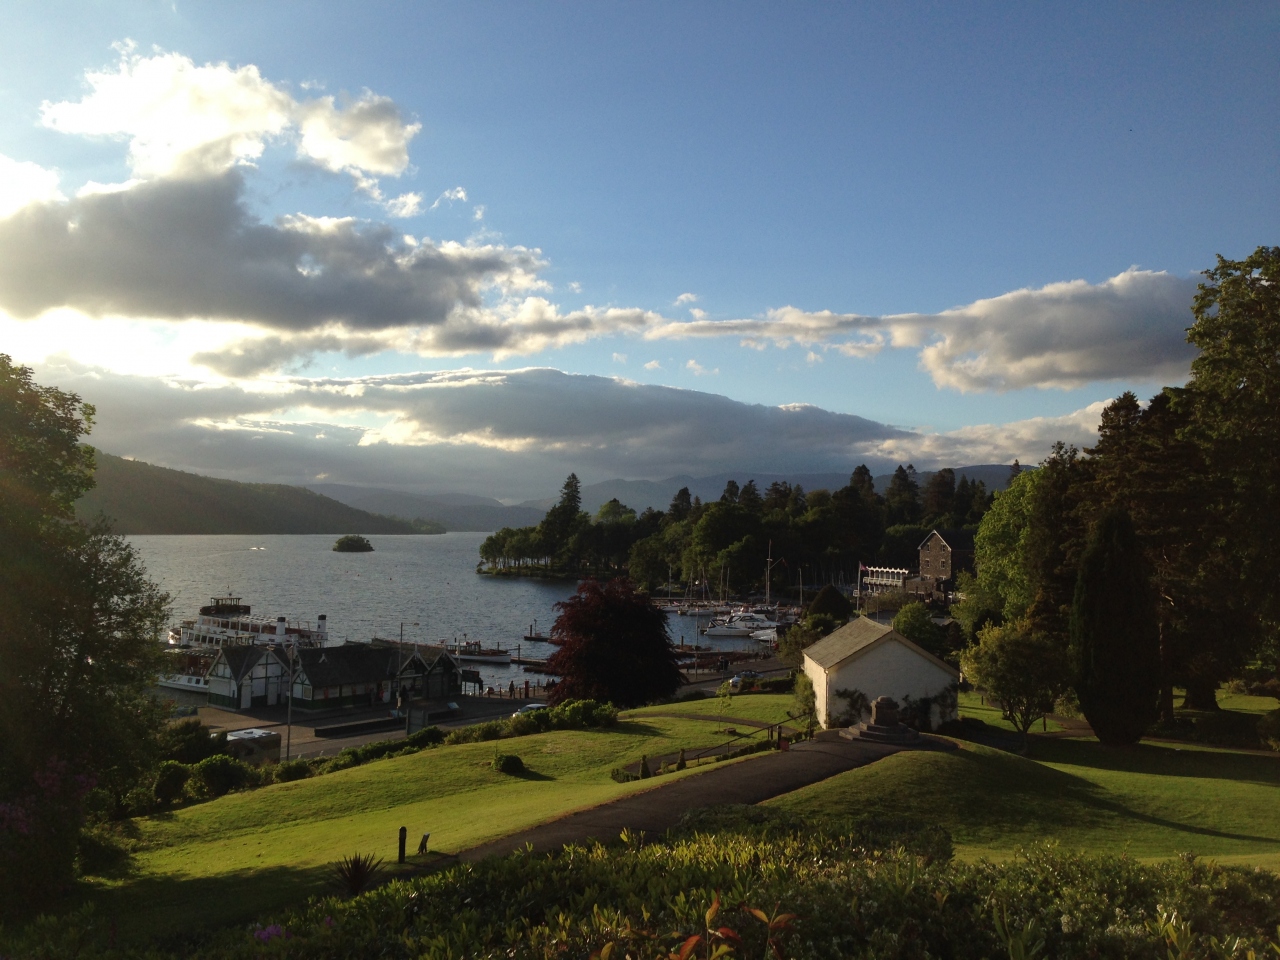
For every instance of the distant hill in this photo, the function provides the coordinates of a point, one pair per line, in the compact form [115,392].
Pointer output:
[453,511]
[140,498]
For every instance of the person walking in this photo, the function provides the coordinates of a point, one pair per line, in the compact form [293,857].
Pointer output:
[511,690]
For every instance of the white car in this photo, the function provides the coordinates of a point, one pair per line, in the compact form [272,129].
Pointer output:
[529,708]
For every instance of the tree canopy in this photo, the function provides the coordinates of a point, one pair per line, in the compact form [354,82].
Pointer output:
[78,625]
[614,647]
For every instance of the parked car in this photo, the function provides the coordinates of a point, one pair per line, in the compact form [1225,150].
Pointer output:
[529,708]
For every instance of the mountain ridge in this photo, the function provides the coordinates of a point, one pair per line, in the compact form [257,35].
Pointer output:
[142,498]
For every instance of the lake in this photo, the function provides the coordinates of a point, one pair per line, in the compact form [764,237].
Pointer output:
[424,585]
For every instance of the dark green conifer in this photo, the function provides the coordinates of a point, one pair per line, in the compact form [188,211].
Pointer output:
[1114,633]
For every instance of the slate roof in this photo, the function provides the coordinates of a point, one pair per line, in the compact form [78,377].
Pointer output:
[240,659]
[857,637]
[960,541]
[347,664]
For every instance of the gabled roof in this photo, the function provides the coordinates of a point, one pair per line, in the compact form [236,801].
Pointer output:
[955,539]
[858,637]
[240,659]
[347,664]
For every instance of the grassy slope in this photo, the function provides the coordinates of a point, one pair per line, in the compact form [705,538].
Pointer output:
[765,707]
[1156,800]
[145,499]
[234,858]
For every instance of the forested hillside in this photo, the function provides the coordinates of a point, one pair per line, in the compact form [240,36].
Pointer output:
[140,498]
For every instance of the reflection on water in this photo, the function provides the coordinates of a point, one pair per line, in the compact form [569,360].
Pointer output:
[424,585]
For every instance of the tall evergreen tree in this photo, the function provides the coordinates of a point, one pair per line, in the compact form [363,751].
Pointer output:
[940,495]
[680,506]
[1114,633]
[903,496]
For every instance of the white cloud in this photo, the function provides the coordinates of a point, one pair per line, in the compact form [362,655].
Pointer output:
[185,120]
[179,119]
[366,136]
[619,358]
[575,286]
[457,193]
[23,183]
[697,369]
[405,205]
[686,298]
[653,365]
[478,213]
[1060,335]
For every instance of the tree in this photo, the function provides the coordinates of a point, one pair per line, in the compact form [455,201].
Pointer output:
[916,624]
[1024,671]
[832,603]
[1114,633]
[903,496]
[614,647]
[940,496]
[1235,393]
[78,625]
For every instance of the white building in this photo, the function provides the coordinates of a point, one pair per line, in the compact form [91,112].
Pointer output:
[877,661]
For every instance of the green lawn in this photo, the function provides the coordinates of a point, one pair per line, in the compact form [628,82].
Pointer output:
[765,707]
[1152,801]
[248,853]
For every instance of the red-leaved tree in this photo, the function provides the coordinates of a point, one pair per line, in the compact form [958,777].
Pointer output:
[614,647]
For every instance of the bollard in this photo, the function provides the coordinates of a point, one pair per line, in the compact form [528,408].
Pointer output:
[422,844]
[404,832]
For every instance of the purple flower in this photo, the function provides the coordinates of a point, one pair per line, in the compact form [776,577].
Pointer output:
[267,934]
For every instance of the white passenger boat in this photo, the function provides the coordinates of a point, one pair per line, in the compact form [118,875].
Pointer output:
[226,621]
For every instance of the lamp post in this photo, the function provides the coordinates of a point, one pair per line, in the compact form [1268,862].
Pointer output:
[288,726]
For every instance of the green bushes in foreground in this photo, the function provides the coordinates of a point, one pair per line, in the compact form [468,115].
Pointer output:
[869,890]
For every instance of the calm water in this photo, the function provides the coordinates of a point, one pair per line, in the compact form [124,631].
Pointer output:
[427,584]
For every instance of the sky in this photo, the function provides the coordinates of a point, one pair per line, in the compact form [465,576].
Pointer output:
[472,247]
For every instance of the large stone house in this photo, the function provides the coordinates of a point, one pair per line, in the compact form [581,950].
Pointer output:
[943,554]
[874,660]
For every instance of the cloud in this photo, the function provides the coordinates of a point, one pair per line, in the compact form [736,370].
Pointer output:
[23,183]
[457,193]
[184,120]
[508,433]
[405,205]
[653,365]
[181,248]
[619,358]
[478,213]
[1060,335]
[686,298]
[697,369]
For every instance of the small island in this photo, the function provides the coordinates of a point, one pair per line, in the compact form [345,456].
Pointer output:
[353,543]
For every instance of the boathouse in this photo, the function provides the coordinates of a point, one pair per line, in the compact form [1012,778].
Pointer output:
[873,660]
[244,676]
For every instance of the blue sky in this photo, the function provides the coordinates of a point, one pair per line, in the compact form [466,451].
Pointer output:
[854,162]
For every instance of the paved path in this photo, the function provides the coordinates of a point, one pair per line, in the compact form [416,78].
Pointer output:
[747,781]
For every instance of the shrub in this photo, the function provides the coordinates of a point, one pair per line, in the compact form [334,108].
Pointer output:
[508,763]
[426,737]
[645,772]
[621,775]
[189,741]
[357,872]
[218,775]
[171,780]
[290,770]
